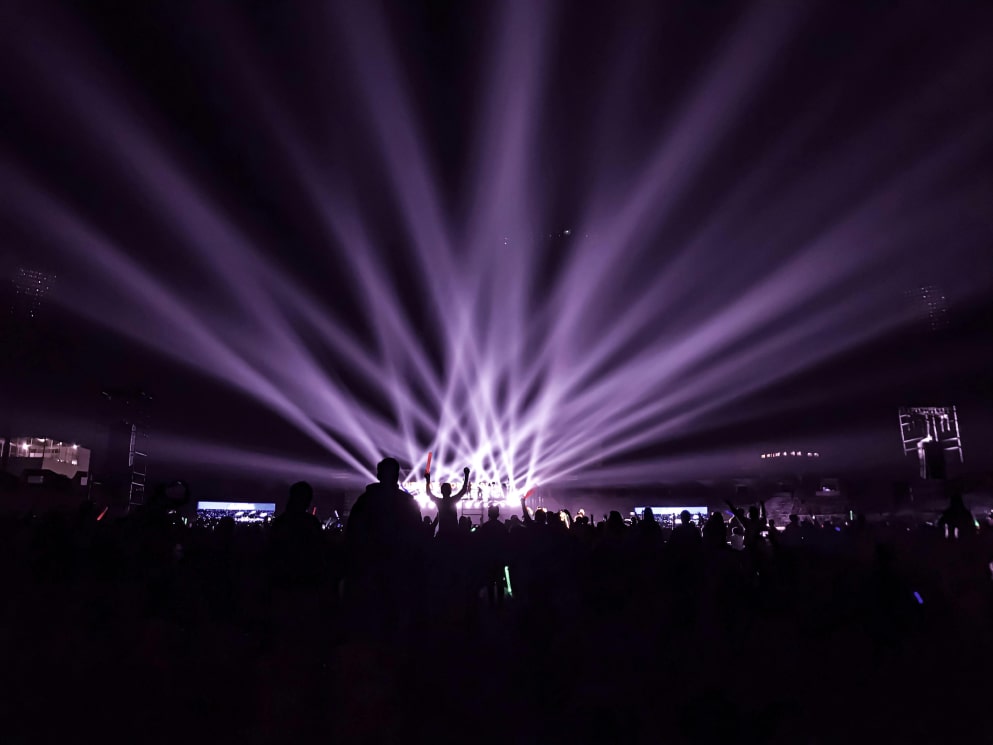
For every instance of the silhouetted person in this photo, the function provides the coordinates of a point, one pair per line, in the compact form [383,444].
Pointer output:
[685,537]
[447,516]
[715,532]
[493,519]
[168,499]
[295,540]
[957,518]
[385,519]
[383,539]
[648,528]
[540,516]
[752,525]
[553,520]
[615,524]
[792,535]
[773,535]
[155,523]
[492,543]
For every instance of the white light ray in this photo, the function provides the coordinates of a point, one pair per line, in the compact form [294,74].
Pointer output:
[189,341]
[591,388]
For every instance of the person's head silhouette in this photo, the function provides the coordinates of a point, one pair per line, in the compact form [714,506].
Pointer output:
[493,512]
[388,471]
[446,490]
[615,521]
[685,517]
[301,494]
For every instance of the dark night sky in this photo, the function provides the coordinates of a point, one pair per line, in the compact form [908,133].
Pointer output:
[200,75]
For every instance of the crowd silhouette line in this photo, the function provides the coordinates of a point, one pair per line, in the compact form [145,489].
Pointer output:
[537,627]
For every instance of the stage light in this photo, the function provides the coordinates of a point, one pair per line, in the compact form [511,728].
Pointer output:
[633,340]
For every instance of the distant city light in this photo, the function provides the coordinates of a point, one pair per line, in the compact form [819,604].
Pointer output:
[932,306]
[790,454]
[31,286]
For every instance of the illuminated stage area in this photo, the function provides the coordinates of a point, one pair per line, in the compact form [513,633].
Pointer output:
[542,255]
[481,494]
[294,293]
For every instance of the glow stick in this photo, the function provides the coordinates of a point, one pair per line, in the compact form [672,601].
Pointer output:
[428,469]
[506,576]
[100,516]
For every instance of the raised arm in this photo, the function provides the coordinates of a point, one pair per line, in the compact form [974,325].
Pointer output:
[465,485]
[524,511]
[427,484]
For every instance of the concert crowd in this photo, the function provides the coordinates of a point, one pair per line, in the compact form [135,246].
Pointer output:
[531,627]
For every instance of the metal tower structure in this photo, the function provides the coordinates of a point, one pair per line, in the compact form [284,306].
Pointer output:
[135,404]
[924,428]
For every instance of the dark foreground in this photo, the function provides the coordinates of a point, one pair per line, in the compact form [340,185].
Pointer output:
[147,631]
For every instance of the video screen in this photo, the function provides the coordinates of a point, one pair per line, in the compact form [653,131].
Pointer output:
[669,516]
[242,512]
